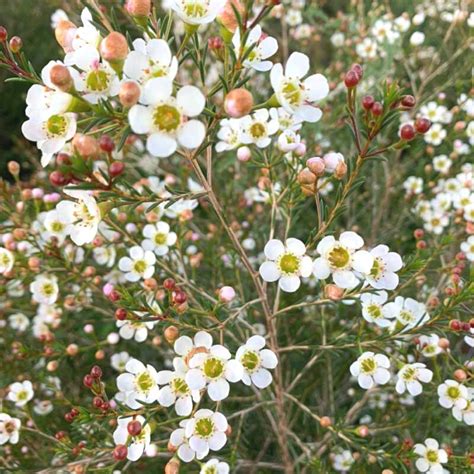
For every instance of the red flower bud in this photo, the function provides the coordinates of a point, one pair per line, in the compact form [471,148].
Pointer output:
[377,109]
[120,452]
[407,132]
[96,372]
[408,101]
[422,125]
[134,428]
[367,102]
[351,79]
[106,144]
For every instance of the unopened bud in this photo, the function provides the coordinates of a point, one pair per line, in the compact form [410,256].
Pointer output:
[316,165]
[85,145]
[460,375]
[238,102]
[171,334]
[244,153]
[172,467]
[61,77]
[129,93]
[333,292]
[227,16]
[64,34]
[325,421]
[138,8]
[114,47]
[13,168]
[341,170]
[305,176]
[15,44]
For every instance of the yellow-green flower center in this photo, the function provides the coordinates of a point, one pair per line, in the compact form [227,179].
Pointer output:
[374,311]
[204,427]
[140,266]
[97,80]
[291,91]
[48,289]
[194,9]
[56,125]
[167,118]
[57,226]
[339,257]
[257,130]
[160,238]
[453,392]
[250,360]
[432,455]
[377,268]
[406,316]
[368,366]
[409,374]
[289,263]
[213,368]
[144,382]
[179,386]
[22,395]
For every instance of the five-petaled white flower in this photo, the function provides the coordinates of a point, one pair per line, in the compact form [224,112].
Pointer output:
[286,263]
[164,118]
[175,391]
[45,289]
[431,457]
[150,59]
[373,308]
[466,414]
[158,238]
[7,260]
[196,12]
[371,369]
[214,466]
[9,429]
[382,275]
[410,376]
[82,216]
[256,361]
[260,49]
[295,94]
[453,394]
[20,393]
[342,258]
[258,128]
[136,445]
[140,264]
[409,312]
[138,385]
[213,369]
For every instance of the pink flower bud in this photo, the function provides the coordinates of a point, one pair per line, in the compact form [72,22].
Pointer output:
[331,160]
[226,294]
[238,102]
[316,165]
[129,93]
[114,47]
[65,32]
[107,289]
[244,153]
[227,15]
[300,150]
[37,193]
[138,7]
[61,77]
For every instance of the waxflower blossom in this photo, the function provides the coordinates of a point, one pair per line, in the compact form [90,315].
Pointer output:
[429,345]
[119,360]
[260,49]
[213,370]
[256,361]
[453,394]
[81,216]
[383,275]
[371,369]
[409,312]
[137,444]
[342,259]
[20,393]
[175,391]
[467,247]
[286,263]
[138,385]
[44,289]
[164,118]
[135,329]
[466,414]
[431,457]
[214,466]
[140,264]
[186,347]
[373,308]
[158,238]
[9,429]
[7,260]
[180,442]
[343,461]
[410,377]
[258,128]
[196,12]
[295,94]
[150,59]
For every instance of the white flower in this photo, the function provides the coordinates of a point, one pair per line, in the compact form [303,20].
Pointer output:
[452,394]
[82,216]
[158,238]
[373,308]
[18,322]
[342,258]
[97,80]
[371,369]
[186,347]
[43,407]
[7,260]
[140,264]
[431,457]
[136,444]
[214,466]
[429,345]
[229,135]
[104,255]
[409,312]
[257,128]
[134,328]
[86,36]
[45,289]
[54,227]
[467,248]
[50,134]
[20,393]
[164,118]
[175,390]
[213,369]
[442,163]
[435,221]
[410,376]
[417,38]
[466,414]
[43,102]
[138,385]
[382,274]
[285,263]
[342,462]
[413,185]
[206,431]
[367,48]
[119,360]
[9,429]
[383,31]
[196,12]
[435,135]
[150,59]
[297,95]
[256,361]
[179,440]
[261,49]
[288,140]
